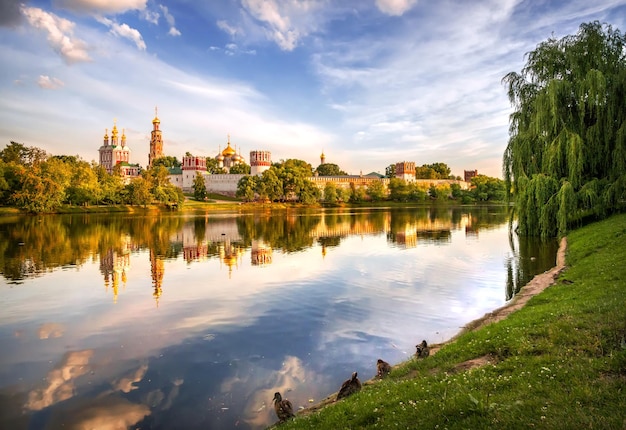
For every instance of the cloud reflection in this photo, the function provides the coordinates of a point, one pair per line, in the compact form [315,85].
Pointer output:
[108,412]
[292,379]
[60,380]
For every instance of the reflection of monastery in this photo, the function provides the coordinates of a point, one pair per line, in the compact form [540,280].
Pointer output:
[220,239]
[116,153]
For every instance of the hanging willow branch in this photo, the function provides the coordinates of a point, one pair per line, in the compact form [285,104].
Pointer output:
[566,155]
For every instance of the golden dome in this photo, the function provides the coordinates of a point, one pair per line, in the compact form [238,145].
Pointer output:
[229,151]
[156,119]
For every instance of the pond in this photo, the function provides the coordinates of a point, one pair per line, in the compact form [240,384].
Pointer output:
[195,320]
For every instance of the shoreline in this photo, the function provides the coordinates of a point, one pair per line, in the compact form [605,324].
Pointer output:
[536,285]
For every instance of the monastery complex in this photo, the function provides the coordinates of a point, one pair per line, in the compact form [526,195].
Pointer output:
[114,152]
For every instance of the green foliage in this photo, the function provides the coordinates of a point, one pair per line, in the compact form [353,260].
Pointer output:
[376,191]
[329,169]
[212,166]
[199,187]
[486,188]
[240,169]
[166,161]
[569,127]
[330,193]
[246,188]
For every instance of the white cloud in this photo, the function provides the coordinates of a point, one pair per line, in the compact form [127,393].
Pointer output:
[150,16]
[124,31]
[48,83]
[101,6]
[170,21]
[286,23]
[229,29]
[395,7]
[60,34]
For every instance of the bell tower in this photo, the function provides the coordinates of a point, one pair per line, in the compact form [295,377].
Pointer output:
[156,140]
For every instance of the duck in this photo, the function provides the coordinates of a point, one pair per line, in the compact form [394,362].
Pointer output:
[349,387]
[383,368]
[422,350]
[283,408]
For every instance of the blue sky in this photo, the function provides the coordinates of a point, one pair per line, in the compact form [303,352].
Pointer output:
[367,82]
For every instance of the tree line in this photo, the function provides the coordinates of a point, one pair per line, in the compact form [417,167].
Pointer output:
[288,180]
[32,180]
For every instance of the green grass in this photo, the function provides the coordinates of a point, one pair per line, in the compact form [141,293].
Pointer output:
[558,363]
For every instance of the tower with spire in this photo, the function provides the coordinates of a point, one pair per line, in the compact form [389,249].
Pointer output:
[156,140]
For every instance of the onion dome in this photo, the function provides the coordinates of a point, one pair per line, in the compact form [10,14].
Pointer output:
[156,119]
[229,151]
[106,134]
[220,157]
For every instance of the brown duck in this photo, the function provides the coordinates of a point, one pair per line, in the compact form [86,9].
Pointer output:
[283,408]
[382,368]
[349,387]
[422,350]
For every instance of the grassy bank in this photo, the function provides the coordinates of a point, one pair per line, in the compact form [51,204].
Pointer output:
[557,363]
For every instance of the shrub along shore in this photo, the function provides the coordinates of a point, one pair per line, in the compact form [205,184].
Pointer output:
[559,362]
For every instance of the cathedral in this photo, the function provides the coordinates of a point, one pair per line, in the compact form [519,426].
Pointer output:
[115,153]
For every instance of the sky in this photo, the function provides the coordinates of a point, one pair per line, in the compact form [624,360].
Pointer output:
[368,83]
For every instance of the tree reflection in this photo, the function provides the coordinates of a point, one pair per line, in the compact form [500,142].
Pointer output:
[34,245]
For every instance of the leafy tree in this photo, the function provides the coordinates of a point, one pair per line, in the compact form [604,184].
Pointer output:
[18,153]
[330,193]
[246,188]
[42,186]
[566,155]
[455,191]
[390,171]
[138,192]
[199,188]
[329,169]
[270,186]
[240,169]
[212,166]
[487,188]
[416,192]
[433,192]
[376,191]
[344,194]
[441,170]
[83,188]
[166,161]
[357,194]
[111,186]
[398,190]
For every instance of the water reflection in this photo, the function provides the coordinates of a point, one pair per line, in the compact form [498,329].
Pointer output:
[195,321]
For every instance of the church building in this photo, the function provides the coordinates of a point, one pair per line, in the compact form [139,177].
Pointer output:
[115,152]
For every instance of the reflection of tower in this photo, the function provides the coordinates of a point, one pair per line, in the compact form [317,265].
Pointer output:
[156,140]
[114,267]
[407,237]
[229,254]
[156,270]
[261,253]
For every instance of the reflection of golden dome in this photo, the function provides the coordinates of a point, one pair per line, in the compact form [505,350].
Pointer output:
[230,260]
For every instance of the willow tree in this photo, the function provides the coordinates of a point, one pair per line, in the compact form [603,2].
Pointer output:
[566,155]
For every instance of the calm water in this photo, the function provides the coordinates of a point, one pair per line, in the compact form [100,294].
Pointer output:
[158,322]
